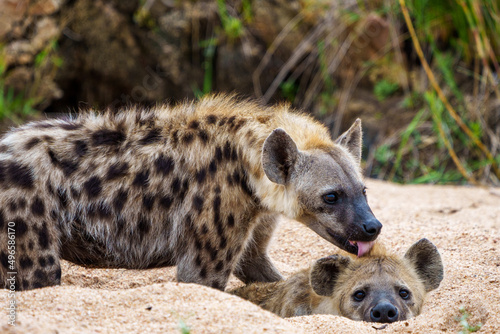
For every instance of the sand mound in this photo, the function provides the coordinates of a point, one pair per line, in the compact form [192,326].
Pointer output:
[463,222]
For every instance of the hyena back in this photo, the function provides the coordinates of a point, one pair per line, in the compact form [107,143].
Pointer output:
[199,186]
[378,287]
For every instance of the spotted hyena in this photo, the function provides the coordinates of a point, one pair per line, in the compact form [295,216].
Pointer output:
[378,287]
[197,185]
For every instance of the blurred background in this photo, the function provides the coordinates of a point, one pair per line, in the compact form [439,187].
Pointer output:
[421,74]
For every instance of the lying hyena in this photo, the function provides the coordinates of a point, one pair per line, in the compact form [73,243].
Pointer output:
[377,287]
[198,185]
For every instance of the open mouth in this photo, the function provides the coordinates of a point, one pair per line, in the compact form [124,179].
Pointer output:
[358,248]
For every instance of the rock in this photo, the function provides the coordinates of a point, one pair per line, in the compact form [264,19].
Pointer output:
[12,12]
[19,52]
[19,78]
[44,7]
[46,30]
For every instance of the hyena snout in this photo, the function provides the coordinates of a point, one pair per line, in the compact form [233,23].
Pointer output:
[372,227]
[384,312]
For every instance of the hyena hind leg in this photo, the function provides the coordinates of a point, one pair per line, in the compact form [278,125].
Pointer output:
[254,264]
[35,263]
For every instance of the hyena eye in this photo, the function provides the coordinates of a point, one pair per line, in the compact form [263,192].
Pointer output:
[359,295]
[364,191]
[405,294]
[331,198]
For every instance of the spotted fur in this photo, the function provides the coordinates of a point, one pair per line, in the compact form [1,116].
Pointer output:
[177,185]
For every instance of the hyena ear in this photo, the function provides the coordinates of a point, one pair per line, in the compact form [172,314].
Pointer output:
[325,272]
[279,155]
[425,259]
[352,139]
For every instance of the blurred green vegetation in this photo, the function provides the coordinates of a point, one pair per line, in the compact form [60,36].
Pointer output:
[442,80]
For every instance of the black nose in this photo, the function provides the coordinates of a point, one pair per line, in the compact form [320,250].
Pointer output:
[384,312]
[372,227]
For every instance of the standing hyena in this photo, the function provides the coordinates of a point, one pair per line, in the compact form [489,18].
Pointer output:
[198,185]
[378,287]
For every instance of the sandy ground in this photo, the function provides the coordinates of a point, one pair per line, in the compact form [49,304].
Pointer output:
[463,222]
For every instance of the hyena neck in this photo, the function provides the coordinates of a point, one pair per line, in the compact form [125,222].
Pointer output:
[277,198]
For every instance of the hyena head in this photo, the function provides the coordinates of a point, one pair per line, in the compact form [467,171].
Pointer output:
[328,187]
[377,287]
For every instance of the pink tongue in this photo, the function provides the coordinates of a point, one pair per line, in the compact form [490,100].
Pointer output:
[364,247]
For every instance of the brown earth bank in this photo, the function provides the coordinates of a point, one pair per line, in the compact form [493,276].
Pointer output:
[463,222]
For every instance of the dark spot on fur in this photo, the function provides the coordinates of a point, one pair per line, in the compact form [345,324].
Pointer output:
[197,244]
[153,136]
[50,260]
[184,190]
[218,154]
[211,119]
[40,276]
[187,138]
[201,175]
[21,227]
[148,200]
[175,137]
[236,177]
[43,237]
[229,179]
[104,211]
[263,119]
[74,192]
[80,148]
[230,220]
[230,121]
[211,250]
[144,226]
[57,275]
[68,167]
[217,285]
[120,200]
[42,262]
[203,272]
[117,170]
[165,202]
[219,266]
[197,261]
[3,172]
[203,135]
[70,126]
[4,260]
[53,214]
[222,121]
[31,143]
[4,148]
[227,151]
[25,262]
[198,203]
[12,205]
[229,255]
[2,220]
[212,168]
[164,165]
[21,203]
[107,137]
[176,185]
[193,124]
[141,179]
[204,229]
[20,176]
[238,125]
[37,207]
[234,154]
[245,186]
[223,242]
[93,187]
[48,139]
